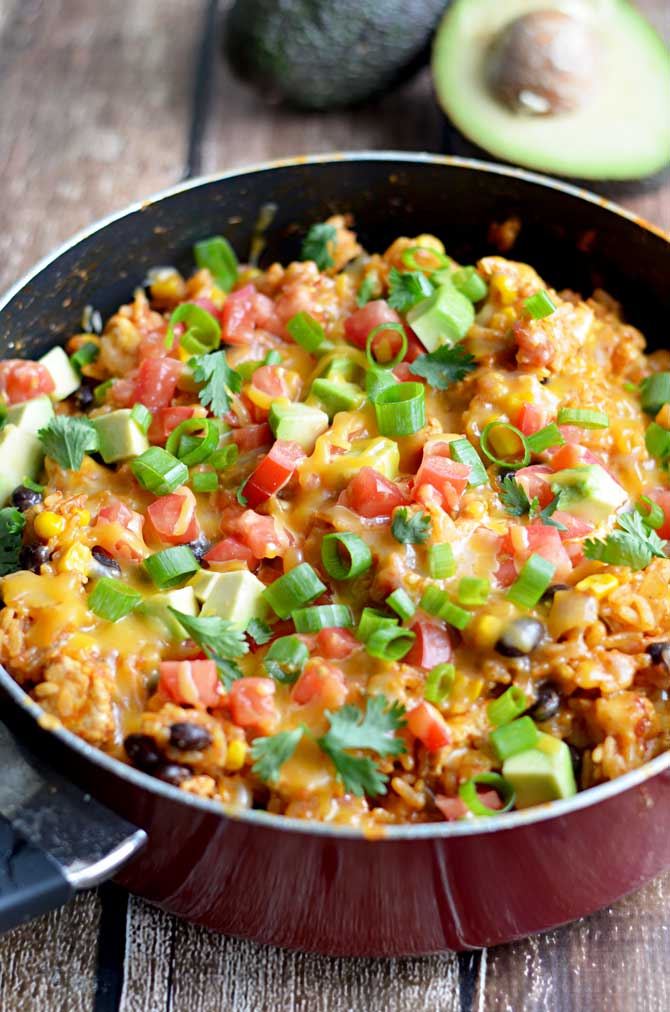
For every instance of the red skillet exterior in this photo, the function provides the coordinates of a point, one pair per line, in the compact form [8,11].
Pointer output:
[418,889]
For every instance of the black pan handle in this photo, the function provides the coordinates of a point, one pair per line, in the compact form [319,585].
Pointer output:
[55,840]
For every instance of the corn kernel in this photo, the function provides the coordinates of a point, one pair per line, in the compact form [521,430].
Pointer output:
[236,754]
[258,397]
[83,516]
[48,524]
[485,630]
[600,584]
[77,559]
[248,275]
[504,289]
[431,241]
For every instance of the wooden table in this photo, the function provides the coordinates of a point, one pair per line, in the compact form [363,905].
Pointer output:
[102,104]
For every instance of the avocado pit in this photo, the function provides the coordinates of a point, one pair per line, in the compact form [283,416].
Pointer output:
[543,63]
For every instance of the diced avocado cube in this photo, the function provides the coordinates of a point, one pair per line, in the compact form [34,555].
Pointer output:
[157,605]
[22,457]
[32,415]
[119,436]
[540,774]
[202,583]
[236,596]
[341,367]
[64,375]
[297,422]
[444,317]
[333,396]
[379,453]
[588,492]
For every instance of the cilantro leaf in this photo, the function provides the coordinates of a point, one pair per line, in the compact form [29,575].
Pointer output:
[67,439]
[12,523]
[316,245]
[513,497]
[271,753]
[220,640]
[218,378]
[369,288]
[445,366]
[633,544]
[373,730]
[407,288]
[412,530]
[228,671]
[546,513]
[259,631]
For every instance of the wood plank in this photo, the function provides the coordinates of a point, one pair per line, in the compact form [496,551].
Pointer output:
[149,958]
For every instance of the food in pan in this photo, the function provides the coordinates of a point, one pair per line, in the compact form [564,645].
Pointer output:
[365,539]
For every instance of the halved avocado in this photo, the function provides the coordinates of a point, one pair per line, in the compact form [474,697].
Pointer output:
[578,89]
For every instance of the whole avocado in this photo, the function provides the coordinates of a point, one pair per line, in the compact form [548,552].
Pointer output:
[325,54]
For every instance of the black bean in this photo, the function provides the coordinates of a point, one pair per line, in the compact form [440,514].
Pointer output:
[171,773]
[520,637]
[189,737]
[85,396]
[547,704]
[23,498]
[143,751]
[200,546]
[659,653]
[576,758]
[33,556]
[550,591]
[105,564]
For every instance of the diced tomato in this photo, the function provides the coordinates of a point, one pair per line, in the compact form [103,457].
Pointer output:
[173,517]
[156,382]
[546,541]
[252,704]
[428,725]
[335,643]
[20,380]
[534,482]
[207,304]
[271,380]
[252,437]
[273,472]
[262,535]
[243,312]
[228,550]
[447,476]
[506,573]
[662,497]
[370,494]
[454,808]
[432,646]
[572,455]
[575,527]
[118,530]
[320,681]
[529,419]
[153,345]
[358,326]
[165,420]
[191,682]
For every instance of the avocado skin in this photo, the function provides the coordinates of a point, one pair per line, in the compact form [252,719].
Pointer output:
[326,54]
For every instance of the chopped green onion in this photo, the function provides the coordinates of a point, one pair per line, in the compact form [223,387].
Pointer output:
[306,331]
[401,603]
[454,615]
[657,441]
[541,440]
[202,333]
[218,256]
[467,792]
[400,354]
[401,409]
[655,392]
[322,616]
[584,418]
[294,589]
[158,471]
[112,599]
[224,457]
[441,561]
[531,583]
[84,355]
[367,290]
[377,380]
[631,388]
[473,591]
[437,602]
[194,452]
[34,486]
[539,305]
[372,619]
[205,481]
[345,556]
[272,358]
[439,683]
[286,658]
[505,708]
[469,283]
[390,643]
[247,369]
[409,258]
[652,514]
[142,417]
[508,433]
[171,566]
[517,736]
[464,452]
[100,392]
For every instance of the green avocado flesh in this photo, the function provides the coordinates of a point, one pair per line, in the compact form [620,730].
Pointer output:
[622,132]
[324,54]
